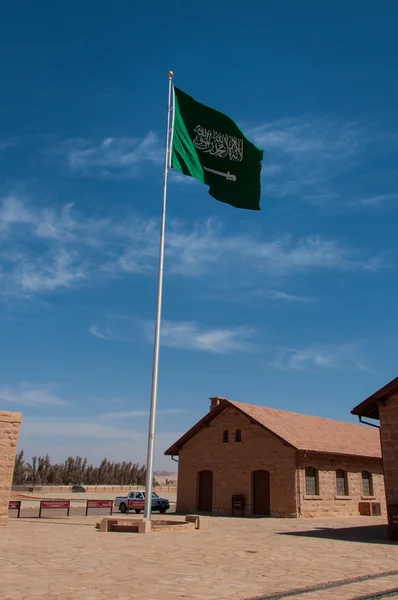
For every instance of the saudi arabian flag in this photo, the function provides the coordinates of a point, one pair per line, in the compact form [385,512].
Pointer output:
[207,145]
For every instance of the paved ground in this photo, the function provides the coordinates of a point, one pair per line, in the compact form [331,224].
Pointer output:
[68,559]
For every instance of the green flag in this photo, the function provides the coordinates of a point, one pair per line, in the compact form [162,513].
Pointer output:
[209,146]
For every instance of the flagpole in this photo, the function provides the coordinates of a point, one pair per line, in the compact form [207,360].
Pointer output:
[155,364]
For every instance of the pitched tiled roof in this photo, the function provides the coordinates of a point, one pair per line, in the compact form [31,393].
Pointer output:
[303,432]
[370,407]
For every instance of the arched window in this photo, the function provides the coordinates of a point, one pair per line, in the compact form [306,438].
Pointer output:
[341,483]
[311,482]
[367,484]
[225,436]
[238,435]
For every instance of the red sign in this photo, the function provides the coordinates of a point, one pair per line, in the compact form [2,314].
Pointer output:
[99,504]
[15,505]
[55,503]
[137,504]
[65,504]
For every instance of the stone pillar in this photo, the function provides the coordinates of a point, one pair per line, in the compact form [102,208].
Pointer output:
[388,412]
[9,430]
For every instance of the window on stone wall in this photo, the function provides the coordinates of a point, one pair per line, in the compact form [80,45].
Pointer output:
[341,483]
[311,482]
[367,484]
[225,436]
[238,435]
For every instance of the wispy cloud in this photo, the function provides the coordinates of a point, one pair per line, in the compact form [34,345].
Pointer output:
[222,340]
[49,248]
[112,156]
[181,334]
[285,297]
[302,153]
[345,356]
[377,200]
[200,250]
[309,158]
[134,414]
[9,143]
[308,137]
[102,335]
[28,395]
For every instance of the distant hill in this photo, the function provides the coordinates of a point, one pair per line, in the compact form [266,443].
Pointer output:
[168,474]
[164,476]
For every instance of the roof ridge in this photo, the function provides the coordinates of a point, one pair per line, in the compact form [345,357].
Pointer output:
[291,412]
[303,432]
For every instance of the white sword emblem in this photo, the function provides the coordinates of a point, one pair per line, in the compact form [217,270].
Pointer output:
[228,176]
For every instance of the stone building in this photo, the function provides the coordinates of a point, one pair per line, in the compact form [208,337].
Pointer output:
[383,406]
[9,430]
[284,464]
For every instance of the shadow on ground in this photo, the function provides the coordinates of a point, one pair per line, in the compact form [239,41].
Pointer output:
[371,534]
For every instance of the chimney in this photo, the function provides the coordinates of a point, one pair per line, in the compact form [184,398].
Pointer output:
[215,401]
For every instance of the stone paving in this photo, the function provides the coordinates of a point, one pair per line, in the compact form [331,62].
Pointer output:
[68,559]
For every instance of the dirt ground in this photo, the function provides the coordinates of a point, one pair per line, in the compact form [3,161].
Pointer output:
[68,559]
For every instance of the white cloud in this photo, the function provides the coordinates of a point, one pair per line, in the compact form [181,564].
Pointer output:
[134,414]
[27,395]
[111,156]
[344,356]
[9,143]
[377,200]
[303,155]
[102,335]
[60,269]
[309,138]
[218,340]
[44,249]
[180,334]
[309,158]
[278,295]
[206,246]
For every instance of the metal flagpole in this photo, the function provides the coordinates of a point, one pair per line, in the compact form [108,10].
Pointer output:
[155,364]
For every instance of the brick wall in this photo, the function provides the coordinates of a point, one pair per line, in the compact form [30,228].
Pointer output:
[388,413]
[328,503]
[232,464]
[9,430]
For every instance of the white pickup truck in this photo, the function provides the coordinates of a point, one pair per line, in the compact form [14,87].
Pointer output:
[135,500]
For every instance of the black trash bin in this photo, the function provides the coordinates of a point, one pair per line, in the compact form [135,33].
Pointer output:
[393,522]
[238,505]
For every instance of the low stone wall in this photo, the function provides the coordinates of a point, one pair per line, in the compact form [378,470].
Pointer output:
[9,430]
[48,489]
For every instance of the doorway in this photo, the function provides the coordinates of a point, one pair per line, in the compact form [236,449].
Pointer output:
[261,493]
[205,491]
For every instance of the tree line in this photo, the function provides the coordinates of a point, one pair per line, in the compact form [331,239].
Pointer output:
[76,471]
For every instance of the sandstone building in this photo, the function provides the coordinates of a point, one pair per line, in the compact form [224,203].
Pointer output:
[284,464]
[9,430]
[383,406]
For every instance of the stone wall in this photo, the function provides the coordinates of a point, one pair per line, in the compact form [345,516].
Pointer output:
[9,430]
[48,489]
[232,464]
[328,503]
[388,413]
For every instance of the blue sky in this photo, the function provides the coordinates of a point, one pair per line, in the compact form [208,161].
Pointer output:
[292,307]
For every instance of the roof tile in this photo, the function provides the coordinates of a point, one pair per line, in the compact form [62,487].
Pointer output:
[316,434]
[303,432]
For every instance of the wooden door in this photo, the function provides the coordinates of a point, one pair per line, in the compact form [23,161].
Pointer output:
[261,493]
[205,491]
